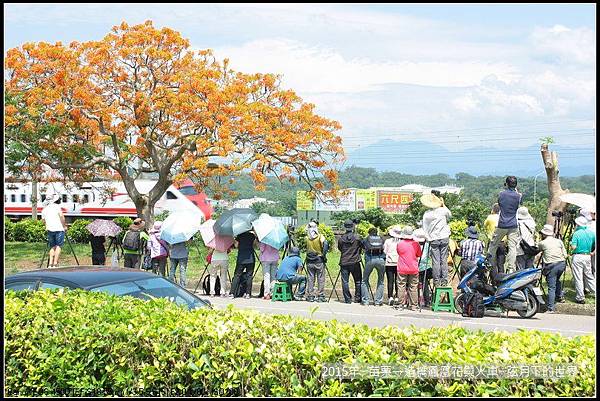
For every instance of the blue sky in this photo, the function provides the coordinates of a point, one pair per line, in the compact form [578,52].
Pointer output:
[397,72]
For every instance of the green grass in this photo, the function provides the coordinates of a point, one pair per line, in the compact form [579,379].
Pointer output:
[22,256]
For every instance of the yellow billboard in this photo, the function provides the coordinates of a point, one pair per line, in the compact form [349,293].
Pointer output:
[304,201]
[366,199]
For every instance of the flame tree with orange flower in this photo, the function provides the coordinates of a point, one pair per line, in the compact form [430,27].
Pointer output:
[142,101]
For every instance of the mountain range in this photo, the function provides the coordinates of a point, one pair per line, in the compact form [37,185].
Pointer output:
[426,158]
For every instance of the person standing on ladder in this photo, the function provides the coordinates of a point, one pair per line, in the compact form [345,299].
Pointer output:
[56,226]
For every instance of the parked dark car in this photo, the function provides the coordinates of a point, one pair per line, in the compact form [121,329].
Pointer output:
[121,282]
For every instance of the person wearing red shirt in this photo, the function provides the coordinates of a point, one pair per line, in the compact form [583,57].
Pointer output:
[409,252]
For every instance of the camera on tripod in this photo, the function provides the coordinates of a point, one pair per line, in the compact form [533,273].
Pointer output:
[557,213]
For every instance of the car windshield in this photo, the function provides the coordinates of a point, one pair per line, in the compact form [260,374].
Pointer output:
[152,288]
[188,191]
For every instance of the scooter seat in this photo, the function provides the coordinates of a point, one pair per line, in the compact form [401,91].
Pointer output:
[504,276]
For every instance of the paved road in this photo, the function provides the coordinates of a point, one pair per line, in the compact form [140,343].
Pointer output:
[380,316]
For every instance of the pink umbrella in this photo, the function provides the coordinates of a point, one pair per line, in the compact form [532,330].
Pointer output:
[219,242]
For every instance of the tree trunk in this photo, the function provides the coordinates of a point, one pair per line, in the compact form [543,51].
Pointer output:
[145,210]
[550,160]
[34,198]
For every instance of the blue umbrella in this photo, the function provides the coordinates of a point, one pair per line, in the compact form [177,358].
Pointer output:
[270,231]
[180,227]
[234,222]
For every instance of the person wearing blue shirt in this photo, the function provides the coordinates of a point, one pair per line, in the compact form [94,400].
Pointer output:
[288,272]
[509,201]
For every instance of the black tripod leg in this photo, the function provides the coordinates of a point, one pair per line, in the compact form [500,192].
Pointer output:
[201,277]
[46,252]
[334,283]
[71,246]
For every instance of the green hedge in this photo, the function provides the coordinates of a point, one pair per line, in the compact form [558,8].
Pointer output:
[78,232]
[96,344]
[9,229]
[29,230]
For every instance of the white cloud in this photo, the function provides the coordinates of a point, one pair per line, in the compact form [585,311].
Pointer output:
[317,69]
[567,45]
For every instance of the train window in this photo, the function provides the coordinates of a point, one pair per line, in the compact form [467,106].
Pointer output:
[75,198]
[13,198]
[43,198]
[86,198]
[170,195]
[64,198]
[23,198]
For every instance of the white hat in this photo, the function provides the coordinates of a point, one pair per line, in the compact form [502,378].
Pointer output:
[581,221]
[395,231]
[547,230]
[419,235]
[407,233]
[52,198]
[523,213]
[587,213]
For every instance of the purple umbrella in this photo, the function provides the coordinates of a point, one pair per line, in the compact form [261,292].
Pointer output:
[103,228]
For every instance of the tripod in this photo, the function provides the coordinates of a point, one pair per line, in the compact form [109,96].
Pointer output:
[115,246]
[201,279]
[47,252]
[564,235]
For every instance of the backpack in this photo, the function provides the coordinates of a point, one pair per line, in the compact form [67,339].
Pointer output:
[206,285]
[474,306]
[374,245]
[132,241]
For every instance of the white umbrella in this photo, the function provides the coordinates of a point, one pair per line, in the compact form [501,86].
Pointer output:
[584,201]
[180,227]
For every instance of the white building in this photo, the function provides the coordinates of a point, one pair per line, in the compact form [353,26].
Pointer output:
[246,203]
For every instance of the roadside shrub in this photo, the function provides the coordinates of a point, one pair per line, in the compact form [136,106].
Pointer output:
[83,343]
[457,230]
[30,230]
[9,229]
[78,232]
[327,231]
[363,228]
[162,216]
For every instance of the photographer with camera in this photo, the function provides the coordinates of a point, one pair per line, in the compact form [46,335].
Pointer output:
[509,201]
[527,232]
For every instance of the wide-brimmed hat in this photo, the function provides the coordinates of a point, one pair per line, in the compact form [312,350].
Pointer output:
[523,213]
[419,235]
[587,213]
[407,233]
[471,232]
[156,227]
[349,225]
[138,223]
[431,201]
[395,231]
[581,221]
[547,230]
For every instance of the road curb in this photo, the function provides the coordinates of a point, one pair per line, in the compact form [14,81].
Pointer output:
[576,309]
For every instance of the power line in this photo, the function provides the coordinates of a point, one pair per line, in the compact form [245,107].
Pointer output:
[408,131]
[520,135]
[447,161]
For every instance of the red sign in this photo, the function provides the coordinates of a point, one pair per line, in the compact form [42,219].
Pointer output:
[394,202]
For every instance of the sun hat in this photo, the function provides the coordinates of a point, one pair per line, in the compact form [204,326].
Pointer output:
[523,213]
[52,198]
[587,213]
[394,231]
[407,233]
[138,223]
[431,201]
[547,230]
[156,227]
[581,221]
[419,235]
[471,232]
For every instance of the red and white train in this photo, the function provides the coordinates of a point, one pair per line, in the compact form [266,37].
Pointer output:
[102,199]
